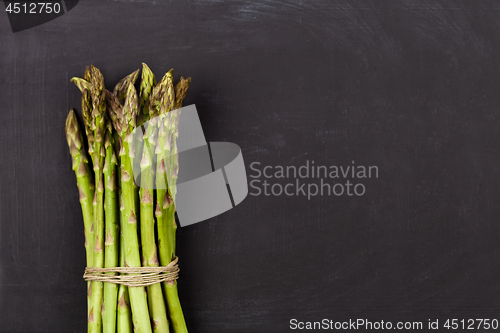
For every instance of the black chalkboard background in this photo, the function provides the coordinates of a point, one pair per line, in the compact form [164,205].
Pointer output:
[409,86]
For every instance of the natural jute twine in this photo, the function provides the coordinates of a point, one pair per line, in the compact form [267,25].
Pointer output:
[144,276]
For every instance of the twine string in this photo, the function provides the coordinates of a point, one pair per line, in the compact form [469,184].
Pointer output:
[135,276]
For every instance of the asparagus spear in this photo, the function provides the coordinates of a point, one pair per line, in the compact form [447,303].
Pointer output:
[124,121]
[164,88]
[98,121]
[124,317]
[173,167]
[148,81]
[112,229]
[161,184]
[87,111]
[121,87]
[84,86]
[84,179]
[180,91]
[165,207]
[165,243]
[156,302]
[120,91]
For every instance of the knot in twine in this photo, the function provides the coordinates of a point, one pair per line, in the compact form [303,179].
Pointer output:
[136,276]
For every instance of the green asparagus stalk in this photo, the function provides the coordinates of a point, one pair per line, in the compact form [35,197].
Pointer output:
[86,112]
[84,86]
[180,91]
[98,122]
[120,91]
[165,207]
[156,302]
[173,165]
[112,230]
[121,87]
[124,316]
[156,106]
[164,241]
[170,145]
[124,121]
[148,81]
[84,181]
[164,88]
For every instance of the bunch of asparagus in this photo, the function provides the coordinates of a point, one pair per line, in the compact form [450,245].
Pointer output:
[112,203]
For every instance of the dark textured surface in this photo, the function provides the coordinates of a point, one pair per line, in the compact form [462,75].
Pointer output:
[409,86]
